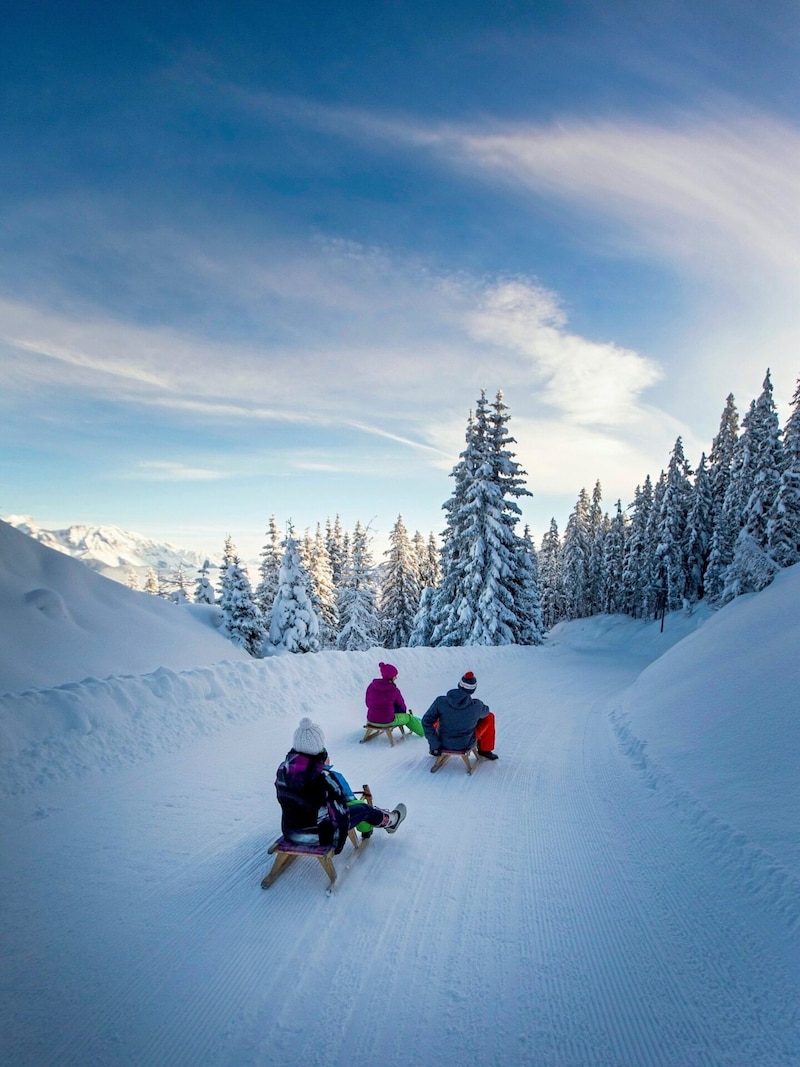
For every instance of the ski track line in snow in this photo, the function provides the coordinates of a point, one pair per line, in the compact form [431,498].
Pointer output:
[398,929]
[607,928]
[758,872]
[703,940]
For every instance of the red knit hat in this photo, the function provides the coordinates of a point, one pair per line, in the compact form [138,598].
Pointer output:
[387,670]
[468,682]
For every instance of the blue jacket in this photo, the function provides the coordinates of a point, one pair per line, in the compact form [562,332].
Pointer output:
[457,713]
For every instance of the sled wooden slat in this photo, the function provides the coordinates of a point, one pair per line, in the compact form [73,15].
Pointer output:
[445,754]
[286,852]
[374,730]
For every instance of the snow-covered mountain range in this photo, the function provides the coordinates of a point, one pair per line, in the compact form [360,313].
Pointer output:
[113,552]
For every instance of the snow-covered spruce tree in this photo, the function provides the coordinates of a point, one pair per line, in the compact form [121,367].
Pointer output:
[132,581]
[151,583]
[729,520]
[228,552]
[422,630]
[475,604]
[427,553]
[400,590]
[337,550]
[527,600]
[268,571]
[699,531]
[428,561]
[179,594]
[441,609]
[783,528]
[598,526]
[419,548]
[720,460]
[768,464]
[636,564]
[575,553]
[358,617]
[294,625]
[752,568]
[670,554]
[203,589]
[551,591]
[323,594]
[654,591]
[241,618]
[614,562]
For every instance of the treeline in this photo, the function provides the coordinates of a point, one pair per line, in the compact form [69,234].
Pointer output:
[712,533]
[323,591]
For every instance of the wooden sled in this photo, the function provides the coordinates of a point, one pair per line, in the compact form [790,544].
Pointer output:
[286,852]
[373,730]
[445,754]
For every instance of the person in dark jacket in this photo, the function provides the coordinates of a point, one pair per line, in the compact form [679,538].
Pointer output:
[385,703]
[317,803]
[457,720]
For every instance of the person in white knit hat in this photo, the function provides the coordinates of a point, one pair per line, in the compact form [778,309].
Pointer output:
[317,802]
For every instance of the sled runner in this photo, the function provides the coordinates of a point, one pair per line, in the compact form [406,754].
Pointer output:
[445,754]
[373,730]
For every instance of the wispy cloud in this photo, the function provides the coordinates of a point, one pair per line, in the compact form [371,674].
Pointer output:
[440,328]
[167,471]
[691,187]
[694,190]
[589,382]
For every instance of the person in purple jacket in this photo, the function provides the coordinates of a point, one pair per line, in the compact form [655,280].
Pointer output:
[318,807]
[385,703]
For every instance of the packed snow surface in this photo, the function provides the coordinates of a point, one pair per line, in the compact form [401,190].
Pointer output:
[620,889]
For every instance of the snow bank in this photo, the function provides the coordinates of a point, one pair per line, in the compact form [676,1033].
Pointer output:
[721,710]
[61,622]
[714,726]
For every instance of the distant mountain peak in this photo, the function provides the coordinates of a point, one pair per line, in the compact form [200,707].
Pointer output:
[110,550]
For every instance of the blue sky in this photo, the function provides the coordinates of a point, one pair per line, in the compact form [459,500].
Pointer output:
[260,258]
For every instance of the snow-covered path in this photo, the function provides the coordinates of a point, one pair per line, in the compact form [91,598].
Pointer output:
[558,907]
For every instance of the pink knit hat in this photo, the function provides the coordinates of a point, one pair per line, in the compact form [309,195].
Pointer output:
[387,670]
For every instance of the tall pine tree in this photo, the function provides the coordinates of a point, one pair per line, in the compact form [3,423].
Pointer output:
[400,590]
[241,618]
[294,625]
[475,604]
[358,614]
[783,529]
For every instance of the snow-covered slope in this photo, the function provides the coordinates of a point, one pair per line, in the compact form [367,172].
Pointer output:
[61,622]
[111,551]
[621,887]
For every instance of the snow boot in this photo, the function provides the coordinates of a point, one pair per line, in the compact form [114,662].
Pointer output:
[487,755]
[395,818]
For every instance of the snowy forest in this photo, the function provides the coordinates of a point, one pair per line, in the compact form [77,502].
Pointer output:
[713,533]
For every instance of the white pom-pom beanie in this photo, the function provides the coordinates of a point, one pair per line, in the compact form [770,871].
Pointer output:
[309,738]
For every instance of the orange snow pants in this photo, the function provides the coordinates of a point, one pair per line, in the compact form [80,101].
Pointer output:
[484,732]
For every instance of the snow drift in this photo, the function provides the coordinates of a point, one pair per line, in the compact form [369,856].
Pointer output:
[62,622]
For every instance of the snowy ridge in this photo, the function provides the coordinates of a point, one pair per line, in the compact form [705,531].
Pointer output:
[110,550]
[755,869]
[61,622]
